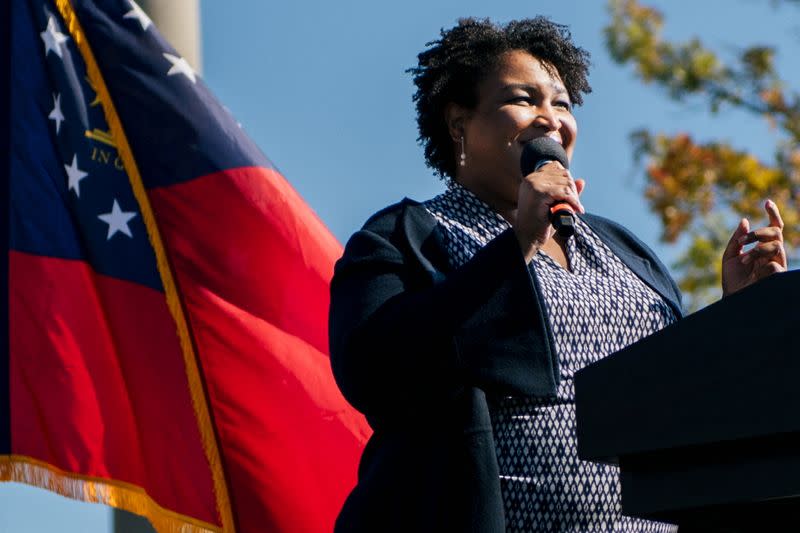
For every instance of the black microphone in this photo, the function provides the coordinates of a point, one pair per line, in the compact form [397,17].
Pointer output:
[537,153]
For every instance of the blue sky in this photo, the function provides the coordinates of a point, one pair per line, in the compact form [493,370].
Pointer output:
[332,108]
[321,87]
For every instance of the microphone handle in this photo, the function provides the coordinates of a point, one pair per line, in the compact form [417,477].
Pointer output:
[562,217]
[563,220]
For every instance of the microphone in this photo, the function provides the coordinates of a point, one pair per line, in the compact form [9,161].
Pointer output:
[537,153]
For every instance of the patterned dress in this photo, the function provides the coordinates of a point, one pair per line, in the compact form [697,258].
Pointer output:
[595,308]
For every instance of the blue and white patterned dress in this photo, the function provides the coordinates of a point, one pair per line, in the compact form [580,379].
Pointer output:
[594,309]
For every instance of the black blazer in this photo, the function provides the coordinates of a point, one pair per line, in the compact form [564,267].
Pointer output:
[416,346]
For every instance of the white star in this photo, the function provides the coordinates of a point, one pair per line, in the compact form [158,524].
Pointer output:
[230,113]
[117,220]
[75,176]
[179,66]
[53,39]
[137,13]
[56,113]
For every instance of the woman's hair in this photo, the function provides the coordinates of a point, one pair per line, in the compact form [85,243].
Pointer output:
[453,66]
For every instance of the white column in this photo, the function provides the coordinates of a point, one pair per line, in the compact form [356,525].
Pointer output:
[179,22]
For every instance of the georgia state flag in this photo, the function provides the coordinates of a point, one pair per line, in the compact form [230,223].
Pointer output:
[167,292]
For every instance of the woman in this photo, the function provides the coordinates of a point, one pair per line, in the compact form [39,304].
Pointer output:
[457,324]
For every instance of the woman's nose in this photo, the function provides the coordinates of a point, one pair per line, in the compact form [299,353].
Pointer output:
[547,118]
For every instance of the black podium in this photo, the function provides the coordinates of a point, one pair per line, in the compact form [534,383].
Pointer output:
[703,417]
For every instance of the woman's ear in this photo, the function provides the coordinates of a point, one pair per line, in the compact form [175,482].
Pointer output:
[456,117]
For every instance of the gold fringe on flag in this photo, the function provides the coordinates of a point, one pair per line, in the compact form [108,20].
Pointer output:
[196,388]
[21,469]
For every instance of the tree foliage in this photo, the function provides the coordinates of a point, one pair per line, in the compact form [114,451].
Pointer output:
[699,190]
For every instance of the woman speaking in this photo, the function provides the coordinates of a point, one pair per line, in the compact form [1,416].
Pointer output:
[457,324]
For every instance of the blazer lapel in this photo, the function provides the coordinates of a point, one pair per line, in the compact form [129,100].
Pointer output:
[425,238]
[639,259]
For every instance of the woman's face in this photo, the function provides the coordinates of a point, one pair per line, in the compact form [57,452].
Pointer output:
[518,101]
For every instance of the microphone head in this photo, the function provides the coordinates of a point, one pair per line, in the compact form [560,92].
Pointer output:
[540,150]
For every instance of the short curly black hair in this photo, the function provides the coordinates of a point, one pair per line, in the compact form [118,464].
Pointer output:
[453,66]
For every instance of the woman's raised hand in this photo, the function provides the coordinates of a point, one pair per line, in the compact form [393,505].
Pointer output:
[740,268]
[538,191]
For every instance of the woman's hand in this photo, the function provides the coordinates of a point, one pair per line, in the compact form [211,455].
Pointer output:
[740,269]
[538,191]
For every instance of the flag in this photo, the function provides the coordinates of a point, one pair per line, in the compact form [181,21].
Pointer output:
[167,292]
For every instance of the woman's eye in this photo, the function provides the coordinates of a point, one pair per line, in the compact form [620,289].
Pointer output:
[522,100]
[563,104]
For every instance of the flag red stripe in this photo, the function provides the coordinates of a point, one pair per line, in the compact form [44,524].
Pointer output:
[253,265]
[98,385]
[247,235]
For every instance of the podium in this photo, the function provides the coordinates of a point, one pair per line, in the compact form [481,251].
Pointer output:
[703,417]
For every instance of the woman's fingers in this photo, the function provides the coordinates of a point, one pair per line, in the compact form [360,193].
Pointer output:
[774,215]
[734,245]
[766,257]
[555,185]
[770,233]
[563,189]
[567,192]
[772,249]
[770,268]
[538,193]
